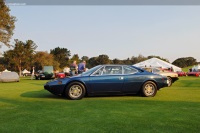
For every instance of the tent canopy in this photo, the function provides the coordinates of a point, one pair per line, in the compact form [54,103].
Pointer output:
[155,62]
[196,68]
[25,71]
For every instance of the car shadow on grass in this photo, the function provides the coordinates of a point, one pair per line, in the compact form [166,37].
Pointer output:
[40,94]
[113,96]
[44,94]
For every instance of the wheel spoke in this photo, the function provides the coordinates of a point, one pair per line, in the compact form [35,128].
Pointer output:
[149,89]
[75,91]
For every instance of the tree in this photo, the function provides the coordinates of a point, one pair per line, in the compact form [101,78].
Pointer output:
[42,59]
[117,61]
[2,63]
[103,59]
[153,56]
[137,59]
[185,62]
[21,56]
[7,24]
[61,55]
[85,58]
[127,61]
[92,62]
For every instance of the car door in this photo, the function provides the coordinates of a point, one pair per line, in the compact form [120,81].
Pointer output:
[107,79]
[132,80]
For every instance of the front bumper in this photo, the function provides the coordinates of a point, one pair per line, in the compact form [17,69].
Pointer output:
[54,89]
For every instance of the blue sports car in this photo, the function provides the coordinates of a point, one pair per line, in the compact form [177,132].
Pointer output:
[108,80]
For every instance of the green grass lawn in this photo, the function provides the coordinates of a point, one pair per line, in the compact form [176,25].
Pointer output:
[25,107]
[186,69]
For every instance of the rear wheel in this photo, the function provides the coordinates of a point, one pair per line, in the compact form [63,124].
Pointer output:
[169,81]
[149,89]
[75,91]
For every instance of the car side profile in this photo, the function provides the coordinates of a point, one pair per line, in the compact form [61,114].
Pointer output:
[108,80]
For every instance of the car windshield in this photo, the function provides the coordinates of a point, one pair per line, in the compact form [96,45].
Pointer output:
[91,70]
[48,69]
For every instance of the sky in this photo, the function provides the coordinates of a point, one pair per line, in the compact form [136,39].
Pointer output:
[121,32]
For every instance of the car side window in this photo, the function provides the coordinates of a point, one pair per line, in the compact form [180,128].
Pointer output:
[98,72]
[112,70]
[129,70]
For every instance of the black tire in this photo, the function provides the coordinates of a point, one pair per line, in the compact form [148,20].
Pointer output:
[149,89]
[75,91]
[169,81]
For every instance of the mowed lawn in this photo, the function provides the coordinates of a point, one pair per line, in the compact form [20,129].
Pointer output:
[25,107]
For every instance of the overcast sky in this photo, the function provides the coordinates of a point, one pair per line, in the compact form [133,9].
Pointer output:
[118,31]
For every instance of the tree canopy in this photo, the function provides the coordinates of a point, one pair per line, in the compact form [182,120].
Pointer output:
[103,59]
[7,24]
[21,56]
[154,56]
[42,59]
[185,62]
[61,55]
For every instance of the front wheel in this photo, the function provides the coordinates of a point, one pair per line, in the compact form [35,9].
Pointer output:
[149,89]
[75,91]
[169,81]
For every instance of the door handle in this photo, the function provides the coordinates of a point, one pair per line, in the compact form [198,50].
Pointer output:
[121,78]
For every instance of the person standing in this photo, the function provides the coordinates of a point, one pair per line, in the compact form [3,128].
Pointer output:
[66,70]
[32,72]
[73,68]
[81,67]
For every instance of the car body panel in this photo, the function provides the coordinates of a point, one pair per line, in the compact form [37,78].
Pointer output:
[105,83]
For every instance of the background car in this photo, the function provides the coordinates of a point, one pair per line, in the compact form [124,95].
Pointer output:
[181,73]
[9,77]
[108,80]
[60,75]
[197,74]
[46,73]
[172,76]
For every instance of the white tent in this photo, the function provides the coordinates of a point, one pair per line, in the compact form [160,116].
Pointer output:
[155,62]
[196,68]
[25,71]
[6,70]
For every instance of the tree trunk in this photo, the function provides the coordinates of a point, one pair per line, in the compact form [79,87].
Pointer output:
[19,67]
